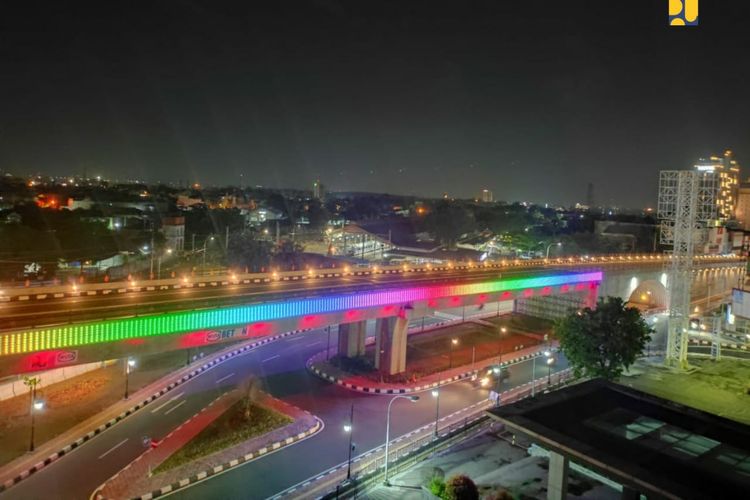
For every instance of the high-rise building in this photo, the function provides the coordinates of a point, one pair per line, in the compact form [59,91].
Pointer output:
[742,213]
[486,196]
[727,171]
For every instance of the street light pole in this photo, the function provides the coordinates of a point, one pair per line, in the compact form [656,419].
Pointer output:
[350,429]
[533,376]
[499,373]
[559,244]
[413,399]
[550,360]
[436,395]
[450,354]
[31,383]
[128,365]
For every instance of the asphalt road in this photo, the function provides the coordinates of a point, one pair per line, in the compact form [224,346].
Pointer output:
[96,307]
[282,368]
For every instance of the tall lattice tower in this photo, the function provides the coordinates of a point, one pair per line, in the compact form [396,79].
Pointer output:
[687,201]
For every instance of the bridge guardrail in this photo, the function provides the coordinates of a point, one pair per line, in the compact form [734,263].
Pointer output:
[25,293]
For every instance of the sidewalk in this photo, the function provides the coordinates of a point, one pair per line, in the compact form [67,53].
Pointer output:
[373,460]
[318,365]
[136,481]
[23,467]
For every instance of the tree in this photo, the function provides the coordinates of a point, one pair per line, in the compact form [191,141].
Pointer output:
[247,251]
[603,342]
[461,488]
[288,254]
[449,221]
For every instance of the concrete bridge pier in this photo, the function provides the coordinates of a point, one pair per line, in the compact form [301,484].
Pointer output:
[390,342]
[352,339]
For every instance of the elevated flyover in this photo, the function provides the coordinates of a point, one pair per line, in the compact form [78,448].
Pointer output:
[57,326]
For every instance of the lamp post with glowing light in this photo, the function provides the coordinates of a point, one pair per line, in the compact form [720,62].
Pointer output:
[158,263]
[129,365]
[412,399]
[349,429]
[436,395]
[35,405]
[559,244]
[550,362]
[547,354]
[498,373]
[205,247]
[450,355]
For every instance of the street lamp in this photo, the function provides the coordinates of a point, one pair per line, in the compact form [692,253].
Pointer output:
[550,362]
[348,428]
[413,399]
[36,406]
[205,244]
[436,395]
[450,355]
[559,244]
[498,373]
[31,383]
[158,265]
[130,364]
[547,353]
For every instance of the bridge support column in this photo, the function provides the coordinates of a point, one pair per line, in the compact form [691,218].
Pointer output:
[352,339]
[557,478]
[390,343]
[592,296]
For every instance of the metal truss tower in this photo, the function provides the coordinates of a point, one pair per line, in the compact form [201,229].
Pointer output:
[687,201]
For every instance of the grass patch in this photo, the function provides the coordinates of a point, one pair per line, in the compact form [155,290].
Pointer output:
[719,387]
[229,429]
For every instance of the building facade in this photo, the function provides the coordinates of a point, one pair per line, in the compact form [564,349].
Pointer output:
[728,172]
[173,229]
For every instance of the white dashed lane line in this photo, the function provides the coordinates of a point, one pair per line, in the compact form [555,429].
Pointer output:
[113,448]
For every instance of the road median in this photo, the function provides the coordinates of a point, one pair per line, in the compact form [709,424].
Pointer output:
[136,480]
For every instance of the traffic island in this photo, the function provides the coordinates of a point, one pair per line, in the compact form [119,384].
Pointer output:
[322,368]
[229,432]
[443,355]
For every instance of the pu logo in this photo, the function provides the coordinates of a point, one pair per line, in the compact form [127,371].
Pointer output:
[683,12]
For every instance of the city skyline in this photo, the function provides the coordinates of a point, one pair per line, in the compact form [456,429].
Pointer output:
[422,100]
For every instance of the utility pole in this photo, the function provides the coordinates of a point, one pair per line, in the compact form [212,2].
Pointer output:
[226,238]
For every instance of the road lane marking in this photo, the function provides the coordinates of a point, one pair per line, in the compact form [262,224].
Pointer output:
[272,357]
[175,407]
[222,379]
[113,448]
[176,396]
[315,343]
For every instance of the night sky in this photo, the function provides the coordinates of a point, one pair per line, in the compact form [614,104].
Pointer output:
[530,98]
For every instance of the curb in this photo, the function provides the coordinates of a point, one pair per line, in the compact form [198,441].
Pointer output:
[402,390]
[200,476]
[83,439]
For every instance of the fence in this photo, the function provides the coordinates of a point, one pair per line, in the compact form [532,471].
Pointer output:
[368,474]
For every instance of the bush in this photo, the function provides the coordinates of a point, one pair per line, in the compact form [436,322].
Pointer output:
[461,488]
[437,487]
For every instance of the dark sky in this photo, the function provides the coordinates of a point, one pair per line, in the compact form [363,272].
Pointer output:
[530,98]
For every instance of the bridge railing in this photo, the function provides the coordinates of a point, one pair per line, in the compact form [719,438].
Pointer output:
[238,278]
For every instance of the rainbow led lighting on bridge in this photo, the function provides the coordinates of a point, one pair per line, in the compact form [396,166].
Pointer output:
[186,321]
